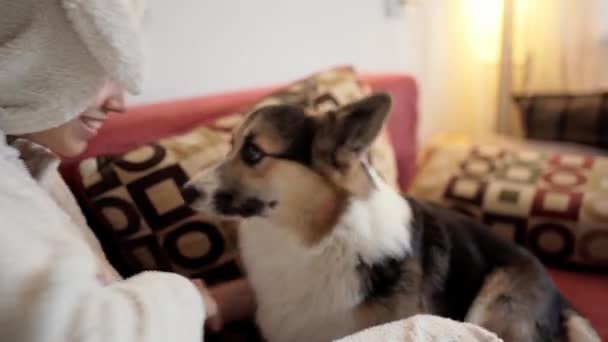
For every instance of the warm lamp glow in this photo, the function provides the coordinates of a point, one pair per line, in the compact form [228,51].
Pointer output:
[484,22]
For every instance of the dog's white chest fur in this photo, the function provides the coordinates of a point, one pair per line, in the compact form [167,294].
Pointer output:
[312,294]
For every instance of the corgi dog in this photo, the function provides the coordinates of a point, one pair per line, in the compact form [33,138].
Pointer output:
[330,249]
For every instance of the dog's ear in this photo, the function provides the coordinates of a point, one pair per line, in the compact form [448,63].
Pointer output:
[344,135]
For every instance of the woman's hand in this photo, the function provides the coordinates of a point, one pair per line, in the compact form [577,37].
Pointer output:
[231,301]
[235,300]
[213,319]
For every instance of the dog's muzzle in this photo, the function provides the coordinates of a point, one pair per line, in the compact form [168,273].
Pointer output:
[226,203]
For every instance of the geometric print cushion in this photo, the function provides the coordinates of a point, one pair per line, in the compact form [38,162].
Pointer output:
[138,195]
[554,204]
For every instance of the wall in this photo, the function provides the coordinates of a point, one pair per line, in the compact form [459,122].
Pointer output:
[454,46]
[202,47]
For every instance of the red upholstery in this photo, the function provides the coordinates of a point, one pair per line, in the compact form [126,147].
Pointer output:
[144,124]
[588,293]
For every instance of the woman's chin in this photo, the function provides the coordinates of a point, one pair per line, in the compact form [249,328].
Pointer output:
[76,141]
[72,146]
[71,149]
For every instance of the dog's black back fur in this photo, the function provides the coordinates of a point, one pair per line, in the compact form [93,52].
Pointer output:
[456,256]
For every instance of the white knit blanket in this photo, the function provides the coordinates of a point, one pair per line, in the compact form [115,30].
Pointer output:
[424,328]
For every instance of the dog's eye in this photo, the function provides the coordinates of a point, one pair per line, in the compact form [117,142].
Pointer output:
[251,154]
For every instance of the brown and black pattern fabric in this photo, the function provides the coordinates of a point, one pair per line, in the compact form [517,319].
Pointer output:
[564,117]
[137,193]
[320,92]
[554,204]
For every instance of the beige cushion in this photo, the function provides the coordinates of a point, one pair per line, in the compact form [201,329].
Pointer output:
[554,203]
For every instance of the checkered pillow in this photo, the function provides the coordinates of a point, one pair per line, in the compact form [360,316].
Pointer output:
[137,192]
[138,195]
[554,204]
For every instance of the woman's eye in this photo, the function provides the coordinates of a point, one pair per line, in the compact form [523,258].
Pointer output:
[251,154]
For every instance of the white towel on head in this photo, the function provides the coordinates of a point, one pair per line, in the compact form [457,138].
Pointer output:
[55,56]
[424,328]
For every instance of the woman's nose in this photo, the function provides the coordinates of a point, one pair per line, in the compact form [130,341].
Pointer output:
[115,103]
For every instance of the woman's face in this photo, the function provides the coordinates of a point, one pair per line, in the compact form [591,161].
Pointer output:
[70,139]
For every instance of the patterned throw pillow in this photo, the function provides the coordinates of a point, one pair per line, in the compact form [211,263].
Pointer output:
[137,193]
[554,204]
[574,118]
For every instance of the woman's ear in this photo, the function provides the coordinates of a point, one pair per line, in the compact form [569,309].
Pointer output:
[344,135]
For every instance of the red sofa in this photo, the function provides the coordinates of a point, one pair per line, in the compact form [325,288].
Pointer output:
[144,124]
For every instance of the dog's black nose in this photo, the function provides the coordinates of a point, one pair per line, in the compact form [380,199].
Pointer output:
[224,202]
[251,207]
[191,194]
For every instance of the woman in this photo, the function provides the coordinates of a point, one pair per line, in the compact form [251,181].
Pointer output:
[63,67]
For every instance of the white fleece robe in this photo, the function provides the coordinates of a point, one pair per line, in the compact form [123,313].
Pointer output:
[50,262]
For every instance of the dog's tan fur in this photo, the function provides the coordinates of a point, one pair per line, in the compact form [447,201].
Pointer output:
[314,217]
[484,311]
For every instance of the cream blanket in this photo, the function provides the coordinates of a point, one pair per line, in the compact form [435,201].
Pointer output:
[424,328]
